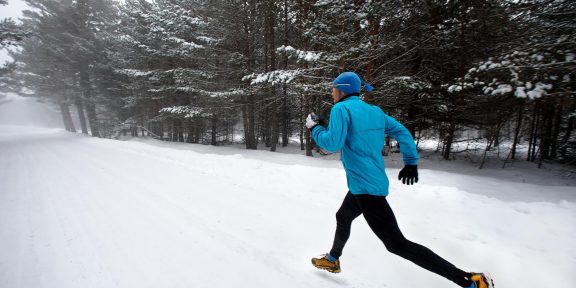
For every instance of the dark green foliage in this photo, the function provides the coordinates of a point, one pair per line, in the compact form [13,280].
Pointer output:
[488,70]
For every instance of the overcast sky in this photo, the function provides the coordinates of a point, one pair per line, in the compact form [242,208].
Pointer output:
[12,10]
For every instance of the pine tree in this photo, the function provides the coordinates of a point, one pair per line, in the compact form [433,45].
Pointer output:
[537,68]
[11,34]
[63,53]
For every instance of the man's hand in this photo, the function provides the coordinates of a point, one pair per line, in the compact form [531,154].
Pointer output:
[409,175]
[312,120]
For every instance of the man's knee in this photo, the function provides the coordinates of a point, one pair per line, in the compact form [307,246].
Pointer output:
[396,246]
[342,217]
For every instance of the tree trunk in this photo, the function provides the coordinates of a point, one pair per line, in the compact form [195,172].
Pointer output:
[170,130]
[556,131]
[274,123]
[302,144]
[266,131]
[285,111]
[248,109]
[386,151]
[214,130]
[81,116]
[491,141]
[66,117]
[175,130]
[449,140]
[199,130]
[568,133]
[488,146]
[180,131]
[226,131]
[92,119]
[190,130]
[518,128]
[271,43]
[536,132]
[275,133]
[309,144]
[373,31]
[250,123]
[285,118]
[309,141]
[245,122]
[532,132]
[547,123]
[90,105]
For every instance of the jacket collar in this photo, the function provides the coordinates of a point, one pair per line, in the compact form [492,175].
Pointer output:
[348,96]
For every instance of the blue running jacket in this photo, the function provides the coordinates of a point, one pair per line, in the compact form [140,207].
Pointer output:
[359,129]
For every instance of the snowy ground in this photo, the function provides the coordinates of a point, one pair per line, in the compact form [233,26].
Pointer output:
[82,212]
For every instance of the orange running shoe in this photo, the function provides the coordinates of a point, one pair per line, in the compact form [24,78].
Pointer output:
[325,264]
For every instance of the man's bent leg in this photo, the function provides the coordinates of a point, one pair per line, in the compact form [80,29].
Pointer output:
[344,217]
[382,221]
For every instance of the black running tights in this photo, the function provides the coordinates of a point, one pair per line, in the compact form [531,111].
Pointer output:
[382,221]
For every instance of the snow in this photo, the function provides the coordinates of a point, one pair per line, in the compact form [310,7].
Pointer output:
[494,65]
[185,44]
[134,72]
[274,77]
[308,56]
[502,89]
[186,111]
[23,111]
[76,211]
[14,11]
[539,90]
[454,88]
[487,90]
[537,57]
[408,82]
[227,93]
[207,39]
[172,88]
[520,92]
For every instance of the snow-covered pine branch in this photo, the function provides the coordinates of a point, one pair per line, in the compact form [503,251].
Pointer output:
[273,78]
[527,74]
[182,111]
[300,55]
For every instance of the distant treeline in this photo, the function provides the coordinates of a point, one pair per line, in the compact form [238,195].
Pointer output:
[200,71]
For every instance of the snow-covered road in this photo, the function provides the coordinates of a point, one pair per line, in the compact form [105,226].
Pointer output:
[82,212]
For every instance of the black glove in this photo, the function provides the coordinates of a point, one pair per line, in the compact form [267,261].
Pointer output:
[320,119]
[314,120]
[409,174]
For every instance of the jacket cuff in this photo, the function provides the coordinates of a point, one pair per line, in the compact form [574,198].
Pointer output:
[312,129]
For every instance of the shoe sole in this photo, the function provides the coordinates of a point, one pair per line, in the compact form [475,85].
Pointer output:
[326,268]
[488,280]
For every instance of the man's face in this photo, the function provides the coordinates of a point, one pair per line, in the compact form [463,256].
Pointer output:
[337,94]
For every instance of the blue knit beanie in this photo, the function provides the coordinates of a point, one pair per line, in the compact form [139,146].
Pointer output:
[350,82]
